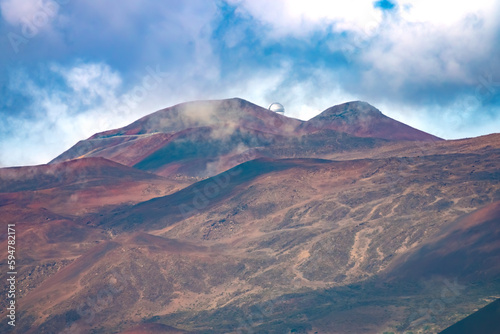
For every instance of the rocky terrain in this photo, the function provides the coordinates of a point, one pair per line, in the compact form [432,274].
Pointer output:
[223,217]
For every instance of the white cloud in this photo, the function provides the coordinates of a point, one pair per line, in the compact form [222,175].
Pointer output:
[445,12]
[32,13]
[408,52]
[90,101]
[15,11]
[302,98]
[90,81]
[421,39]
[297,17]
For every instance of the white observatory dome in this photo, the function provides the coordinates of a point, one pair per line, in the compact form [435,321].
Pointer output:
[277,107]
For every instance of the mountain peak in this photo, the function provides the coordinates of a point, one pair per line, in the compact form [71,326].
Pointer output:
[351,108]
[196,114]
[198,133]
[361,119]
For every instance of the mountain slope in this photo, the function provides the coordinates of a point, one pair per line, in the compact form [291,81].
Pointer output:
[289,233]
[363,120]
[468,249]
[81,185]
[259,227]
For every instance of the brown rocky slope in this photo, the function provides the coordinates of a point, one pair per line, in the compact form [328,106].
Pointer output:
[360,235]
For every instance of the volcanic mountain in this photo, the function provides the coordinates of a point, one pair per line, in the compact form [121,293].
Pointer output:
[204,138]
[199,138]
[246,221]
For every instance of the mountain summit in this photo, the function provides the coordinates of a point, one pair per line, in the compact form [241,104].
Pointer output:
[233,112]
[204,138]
[364,120]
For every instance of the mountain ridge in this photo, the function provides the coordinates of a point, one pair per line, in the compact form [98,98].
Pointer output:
[223,133]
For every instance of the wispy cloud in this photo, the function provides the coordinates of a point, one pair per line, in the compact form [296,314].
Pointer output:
[75,103]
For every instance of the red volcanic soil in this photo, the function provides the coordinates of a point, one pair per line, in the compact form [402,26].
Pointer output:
[468,249]
[153,329]
[363,120]
[69,172]
[160,244]
[268,225]
[53,289]
[80,185]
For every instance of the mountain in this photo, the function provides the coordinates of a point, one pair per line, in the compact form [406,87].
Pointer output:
[363,120]
[199,138]
[310,230]
[205,138]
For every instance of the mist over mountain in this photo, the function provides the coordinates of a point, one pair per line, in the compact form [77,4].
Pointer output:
[225,217]
[204,138]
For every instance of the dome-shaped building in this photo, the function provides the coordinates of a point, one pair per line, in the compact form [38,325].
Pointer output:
[277,107]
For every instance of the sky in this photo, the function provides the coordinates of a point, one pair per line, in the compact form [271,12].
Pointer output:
[71,68]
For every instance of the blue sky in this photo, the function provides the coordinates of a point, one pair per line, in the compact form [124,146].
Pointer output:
[71,68]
